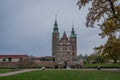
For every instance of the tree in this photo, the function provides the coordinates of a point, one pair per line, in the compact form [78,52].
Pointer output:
[86,58]
[111,25]
[112,49]
[96,58]
[99,9]
[110,11]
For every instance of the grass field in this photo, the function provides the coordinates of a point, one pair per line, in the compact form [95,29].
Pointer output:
[5,70]
[65,75]
[104,65]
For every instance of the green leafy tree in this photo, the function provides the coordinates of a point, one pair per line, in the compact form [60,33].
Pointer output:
[110,11]
[96,58]
[112,49]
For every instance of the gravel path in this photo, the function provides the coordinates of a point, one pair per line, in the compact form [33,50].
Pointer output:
[17,72]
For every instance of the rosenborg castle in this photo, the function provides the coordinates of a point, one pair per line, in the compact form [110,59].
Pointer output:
[64,49]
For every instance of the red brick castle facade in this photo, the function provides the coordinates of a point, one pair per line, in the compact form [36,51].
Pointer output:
[64,49]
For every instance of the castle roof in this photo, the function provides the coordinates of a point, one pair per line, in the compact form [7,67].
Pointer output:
[64,37]
[13,56]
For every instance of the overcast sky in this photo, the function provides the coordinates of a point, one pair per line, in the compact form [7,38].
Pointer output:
[26,26]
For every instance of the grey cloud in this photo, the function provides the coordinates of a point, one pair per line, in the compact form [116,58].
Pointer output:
[26,26]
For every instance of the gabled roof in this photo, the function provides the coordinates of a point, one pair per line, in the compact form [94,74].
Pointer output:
[64,37]
[64,40]
[13,56]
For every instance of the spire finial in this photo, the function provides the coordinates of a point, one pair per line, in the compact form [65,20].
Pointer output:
[72,25]
[72,28]
[73,32]
[55,29]
[56,17]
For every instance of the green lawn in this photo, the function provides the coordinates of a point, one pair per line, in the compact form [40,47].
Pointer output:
[104,65]
[5,70]
[65,75]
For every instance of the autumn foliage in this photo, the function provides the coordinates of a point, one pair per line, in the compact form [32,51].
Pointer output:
[109,11]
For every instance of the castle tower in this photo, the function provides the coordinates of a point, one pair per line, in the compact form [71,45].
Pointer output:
[73,40]
[64,49]
[55,38]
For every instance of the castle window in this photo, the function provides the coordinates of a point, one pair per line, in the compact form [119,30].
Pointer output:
[61,48]
[73,54]
[68,48]
[68,43]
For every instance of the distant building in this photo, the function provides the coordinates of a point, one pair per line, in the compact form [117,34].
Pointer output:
[64,49]
[11,58]
[11,61]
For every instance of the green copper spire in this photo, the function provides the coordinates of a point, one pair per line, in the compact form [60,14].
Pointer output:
[55,29]
[73,34]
